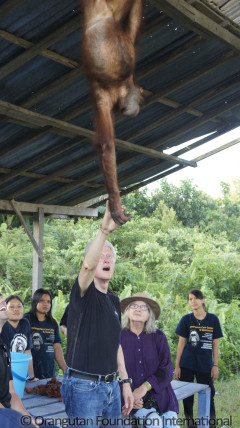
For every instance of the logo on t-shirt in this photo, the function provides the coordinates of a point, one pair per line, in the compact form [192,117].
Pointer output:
[194,337]
[18,343]
[37,341]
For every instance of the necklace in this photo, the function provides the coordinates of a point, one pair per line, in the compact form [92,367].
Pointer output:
[198,320]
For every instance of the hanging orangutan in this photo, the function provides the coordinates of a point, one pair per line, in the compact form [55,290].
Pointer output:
[110,28]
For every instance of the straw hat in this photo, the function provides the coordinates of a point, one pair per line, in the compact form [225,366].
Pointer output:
[143,297]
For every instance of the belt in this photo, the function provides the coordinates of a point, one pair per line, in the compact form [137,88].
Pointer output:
[102,378]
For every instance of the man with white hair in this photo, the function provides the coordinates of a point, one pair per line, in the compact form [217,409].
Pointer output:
[90,388]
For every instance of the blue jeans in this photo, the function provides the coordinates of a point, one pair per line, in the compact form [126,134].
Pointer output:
[10,418]
[153,419]
[95,404]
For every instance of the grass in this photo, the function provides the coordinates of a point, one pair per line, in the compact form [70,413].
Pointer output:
[227,402]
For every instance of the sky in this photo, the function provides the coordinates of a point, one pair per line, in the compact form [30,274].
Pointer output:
[223,166]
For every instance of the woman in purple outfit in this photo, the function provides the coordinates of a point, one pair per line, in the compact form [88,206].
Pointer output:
[148,362]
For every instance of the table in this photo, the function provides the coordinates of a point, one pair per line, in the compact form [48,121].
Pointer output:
[186,389]
[53,410]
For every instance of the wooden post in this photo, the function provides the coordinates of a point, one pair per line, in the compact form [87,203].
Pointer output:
[37,274]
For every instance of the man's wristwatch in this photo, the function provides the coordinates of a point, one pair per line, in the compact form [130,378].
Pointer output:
[129,380]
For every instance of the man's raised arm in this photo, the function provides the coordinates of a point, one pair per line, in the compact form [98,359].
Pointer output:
[94,252]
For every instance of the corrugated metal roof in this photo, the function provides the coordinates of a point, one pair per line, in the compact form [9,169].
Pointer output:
[190,73]
[229,8]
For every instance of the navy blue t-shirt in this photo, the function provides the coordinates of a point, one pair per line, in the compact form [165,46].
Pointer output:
[44,335]
[17,339]
[197,353]
[93,330]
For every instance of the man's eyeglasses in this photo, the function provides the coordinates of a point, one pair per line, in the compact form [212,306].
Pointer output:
[109,257]
[135,306]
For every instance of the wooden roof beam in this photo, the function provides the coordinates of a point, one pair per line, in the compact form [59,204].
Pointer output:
[177,168]
[188,79]
[216,14]
[159,97]
[189,107]
[195,123]
[14,112]
[54,56]
[52,177]
[18,143]
[69,77]
[40,159]
[197,21]
[41,48]
[163,166]
[56,151]
[30,209]
[37,48]
[156,177]
[185,149]
[17,211]
[36,175]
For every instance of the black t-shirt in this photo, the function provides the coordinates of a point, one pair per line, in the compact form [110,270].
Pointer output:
[17,339]
[44,335]
[5,375]
[94,329]
[63,320]
[197,353]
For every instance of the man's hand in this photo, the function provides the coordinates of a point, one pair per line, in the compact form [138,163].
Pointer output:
[108,224]
[128,399]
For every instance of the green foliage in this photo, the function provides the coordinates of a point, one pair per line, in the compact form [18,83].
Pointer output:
[139,203]
[15,261]
[187,201]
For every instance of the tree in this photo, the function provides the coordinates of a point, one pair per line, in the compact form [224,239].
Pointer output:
[190,204]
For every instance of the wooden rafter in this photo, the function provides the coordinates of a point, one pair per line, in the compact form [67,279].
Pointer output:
[168,137]
[195,19]
[30,209]
[95,202]
[15,112]
[47,53]
[28,232]
[76,135]
[37,48]
[19,143]
[56,151]
[42,47]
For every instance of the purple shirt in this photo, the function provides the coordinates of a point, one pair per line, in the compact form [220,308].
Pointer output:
[148,358]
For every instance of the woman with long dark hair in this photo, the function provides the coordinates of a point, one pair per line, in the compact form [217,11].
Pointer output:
[197,352]
[45,335]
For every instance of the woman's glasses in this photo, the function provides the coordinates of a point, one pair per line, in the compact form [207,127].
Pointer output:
[135,306]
